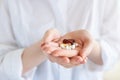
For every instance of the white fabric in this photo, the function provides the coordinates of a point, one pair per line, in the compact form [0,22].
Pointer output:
[23,22]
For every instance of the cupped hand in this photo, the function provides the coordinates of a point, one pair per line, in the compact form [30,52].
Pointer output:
[80,53]
[68,58]
[84,40]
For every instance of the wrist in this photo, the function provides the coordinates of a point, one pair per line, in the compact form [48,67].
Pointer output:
[31,57]
[95,54]
[34,52]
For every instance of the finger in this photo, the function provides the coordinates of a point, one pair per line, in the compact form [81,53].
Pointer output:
[87,48]
[63,52]
[59,60]
[68,65]
[63,60]
[49,44]
[76,60]
[67,53]
[50,47]
[56,40]
[50,35]
[80,43]
[49,50]
[84,61]
[52,58]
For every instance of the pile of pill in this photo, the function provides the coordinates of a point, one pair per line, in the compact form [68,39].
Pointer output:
[68,44]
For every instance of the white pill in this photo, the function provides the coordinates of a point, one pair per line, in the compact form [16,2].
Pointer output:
[62,46]
[76,44]
[68,47]
[73,46]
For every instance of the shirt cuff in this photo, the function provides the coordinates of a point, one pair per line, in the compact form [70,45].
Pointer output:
[12,65]
[109,57]
[30,74]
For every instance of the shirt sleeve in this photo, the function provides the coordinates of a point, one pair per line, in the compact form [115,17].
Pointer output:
[109,36]
[10,54]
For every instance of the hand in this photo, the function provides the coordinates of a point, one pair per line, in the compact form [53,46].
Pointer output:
[50,41]
[50,44]
[83,38]
[62,60]
[53,48]
[34,55]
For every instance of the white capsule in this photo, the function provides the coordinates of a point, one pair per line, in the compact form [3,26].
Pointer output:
[62,46]
[68,47]
[73,46]
[76,44]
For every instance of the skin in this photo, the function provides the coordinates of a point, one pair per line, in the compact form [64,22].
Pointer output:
[69,58]
[33,55]
[48,48]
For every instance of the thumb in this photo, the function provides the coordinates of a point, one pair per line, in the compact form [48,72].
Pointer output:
[86,49]
[50,35]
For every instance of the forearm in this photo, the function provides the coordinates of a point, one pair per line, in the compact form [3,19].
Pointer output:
[95,55]
[32,56]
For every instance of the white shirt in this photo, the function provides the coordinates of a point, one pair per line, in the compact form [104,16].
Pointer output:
[23,22]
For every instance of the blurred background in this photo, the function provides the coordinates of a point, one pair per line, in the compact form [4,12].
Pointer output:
[114,73]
